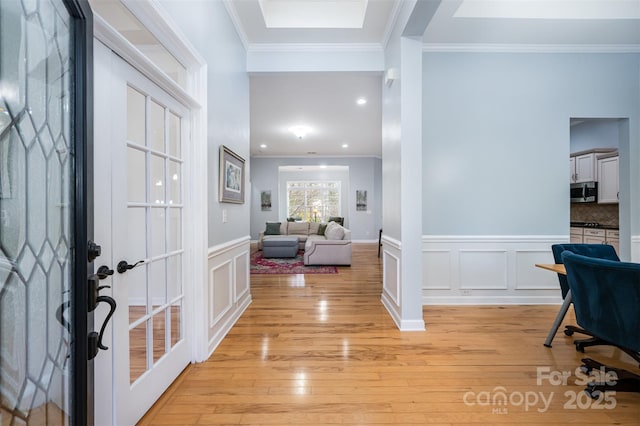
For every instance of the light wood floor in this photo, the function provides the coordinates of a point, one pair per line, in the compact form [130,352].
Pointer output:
[322,350]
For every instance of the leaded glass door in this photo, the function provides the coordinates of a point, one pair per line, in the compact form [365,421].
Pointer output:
[44,371]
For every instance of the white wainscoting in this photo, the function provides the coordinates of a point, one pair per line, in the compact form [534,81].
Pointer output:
[228,289]
[635,249]
[489,270]
[391,252]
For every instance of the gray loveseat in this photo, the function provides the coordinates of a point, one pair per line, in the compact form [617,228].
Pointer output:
[331,247]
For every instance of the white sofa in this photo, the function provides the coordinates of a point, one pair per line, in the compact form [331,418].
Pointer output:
[332,248]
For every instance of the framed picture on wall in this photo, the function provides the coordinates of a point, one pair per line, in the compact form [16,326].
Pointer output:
[361,200]
[265,200]
[231,177]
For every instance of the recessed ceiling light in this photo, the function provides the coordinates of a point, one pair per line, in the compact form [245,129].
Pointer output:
[323,166]
[344,145]
[263,146]
[361,101]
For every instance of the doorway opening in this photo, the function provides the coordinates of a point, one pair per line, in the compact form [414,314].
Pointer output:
[598,157]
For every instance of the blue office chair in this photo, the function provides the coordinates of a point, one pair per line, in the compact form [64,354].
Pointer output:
[603,251]
[606,299]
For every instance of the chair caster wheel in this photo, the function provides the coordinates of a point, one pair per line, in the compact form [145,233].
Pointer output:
[568,332]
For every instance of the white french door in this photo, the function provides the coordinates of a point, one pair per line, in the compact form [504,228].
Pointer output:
[148,134]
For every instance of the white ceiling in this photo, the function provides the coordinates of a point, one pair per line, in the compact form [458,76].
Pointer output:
[575,23]
[326,101]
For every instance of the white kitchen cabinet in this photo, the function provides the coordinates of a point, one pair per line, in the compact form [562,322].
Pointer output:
[583,164]
[594,236]
[608,189]
[578,235]
[613,238]
[575,235]
[572,169]
[583,168]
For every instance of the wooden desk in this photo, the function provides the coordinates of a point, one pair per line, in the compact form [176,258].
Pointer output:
[559,269]
[553,267]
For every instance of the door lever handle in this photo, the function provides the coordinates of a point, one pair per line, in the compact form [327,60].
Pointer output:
[123,266]
[95,338]
[112,308]
[104,271]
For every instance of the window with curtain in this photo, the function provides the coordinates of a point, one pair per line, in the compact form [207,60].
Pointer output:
[313,201]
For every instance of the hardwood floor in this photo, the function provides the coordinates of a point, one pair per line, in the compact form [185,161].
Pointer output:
[322,350]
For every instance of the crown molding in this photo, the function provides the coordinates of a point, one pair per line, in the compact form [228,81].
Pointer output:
[315,47]
[159,22]
[235,19]
[529,48]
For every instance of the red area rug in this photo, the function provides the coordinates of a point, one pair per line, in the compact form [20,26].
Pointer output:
[294,265]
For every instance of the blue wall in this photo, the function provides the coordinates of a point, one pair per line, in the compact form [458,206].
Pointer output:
[208,27]
[496,136]
[364,173]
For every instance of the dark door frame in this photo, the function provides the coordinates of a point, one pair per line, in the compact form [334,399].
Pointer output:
[82,194]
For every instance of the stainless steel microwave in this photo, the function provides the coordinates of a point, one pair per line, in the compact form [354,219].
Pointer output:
[586,192]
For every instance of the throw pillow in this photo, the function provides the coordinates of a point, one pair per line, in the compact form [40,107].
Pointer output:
[337,219]
[313,228]
[328,228]
[298,228]
[321,228]
[334,232]
[273,228]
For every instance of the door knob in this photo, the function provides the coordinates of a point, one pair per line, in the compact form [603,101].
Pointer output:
[93,251]
[124,266]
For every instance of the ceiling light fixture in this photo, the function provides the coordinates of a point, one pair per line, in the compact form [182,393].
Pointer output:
[299,131]
[344,145]
[263,145]
[361,101]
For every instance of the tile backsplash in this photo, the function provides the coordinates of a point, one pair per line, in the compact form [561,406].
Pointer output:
[604,214]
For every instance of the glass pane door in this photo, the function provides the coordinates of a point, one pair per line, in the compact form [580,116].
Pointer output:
[154,218]
[38,225]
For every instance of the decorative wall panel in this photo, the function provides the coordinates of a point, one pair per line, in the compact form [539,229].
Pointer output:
[436,269]
[229,288]
[491,270]
[483,269]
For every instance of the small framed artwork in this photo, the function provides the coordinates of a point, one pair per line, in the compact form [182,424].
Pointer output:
[265,200]
[361,200]
[231,177]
